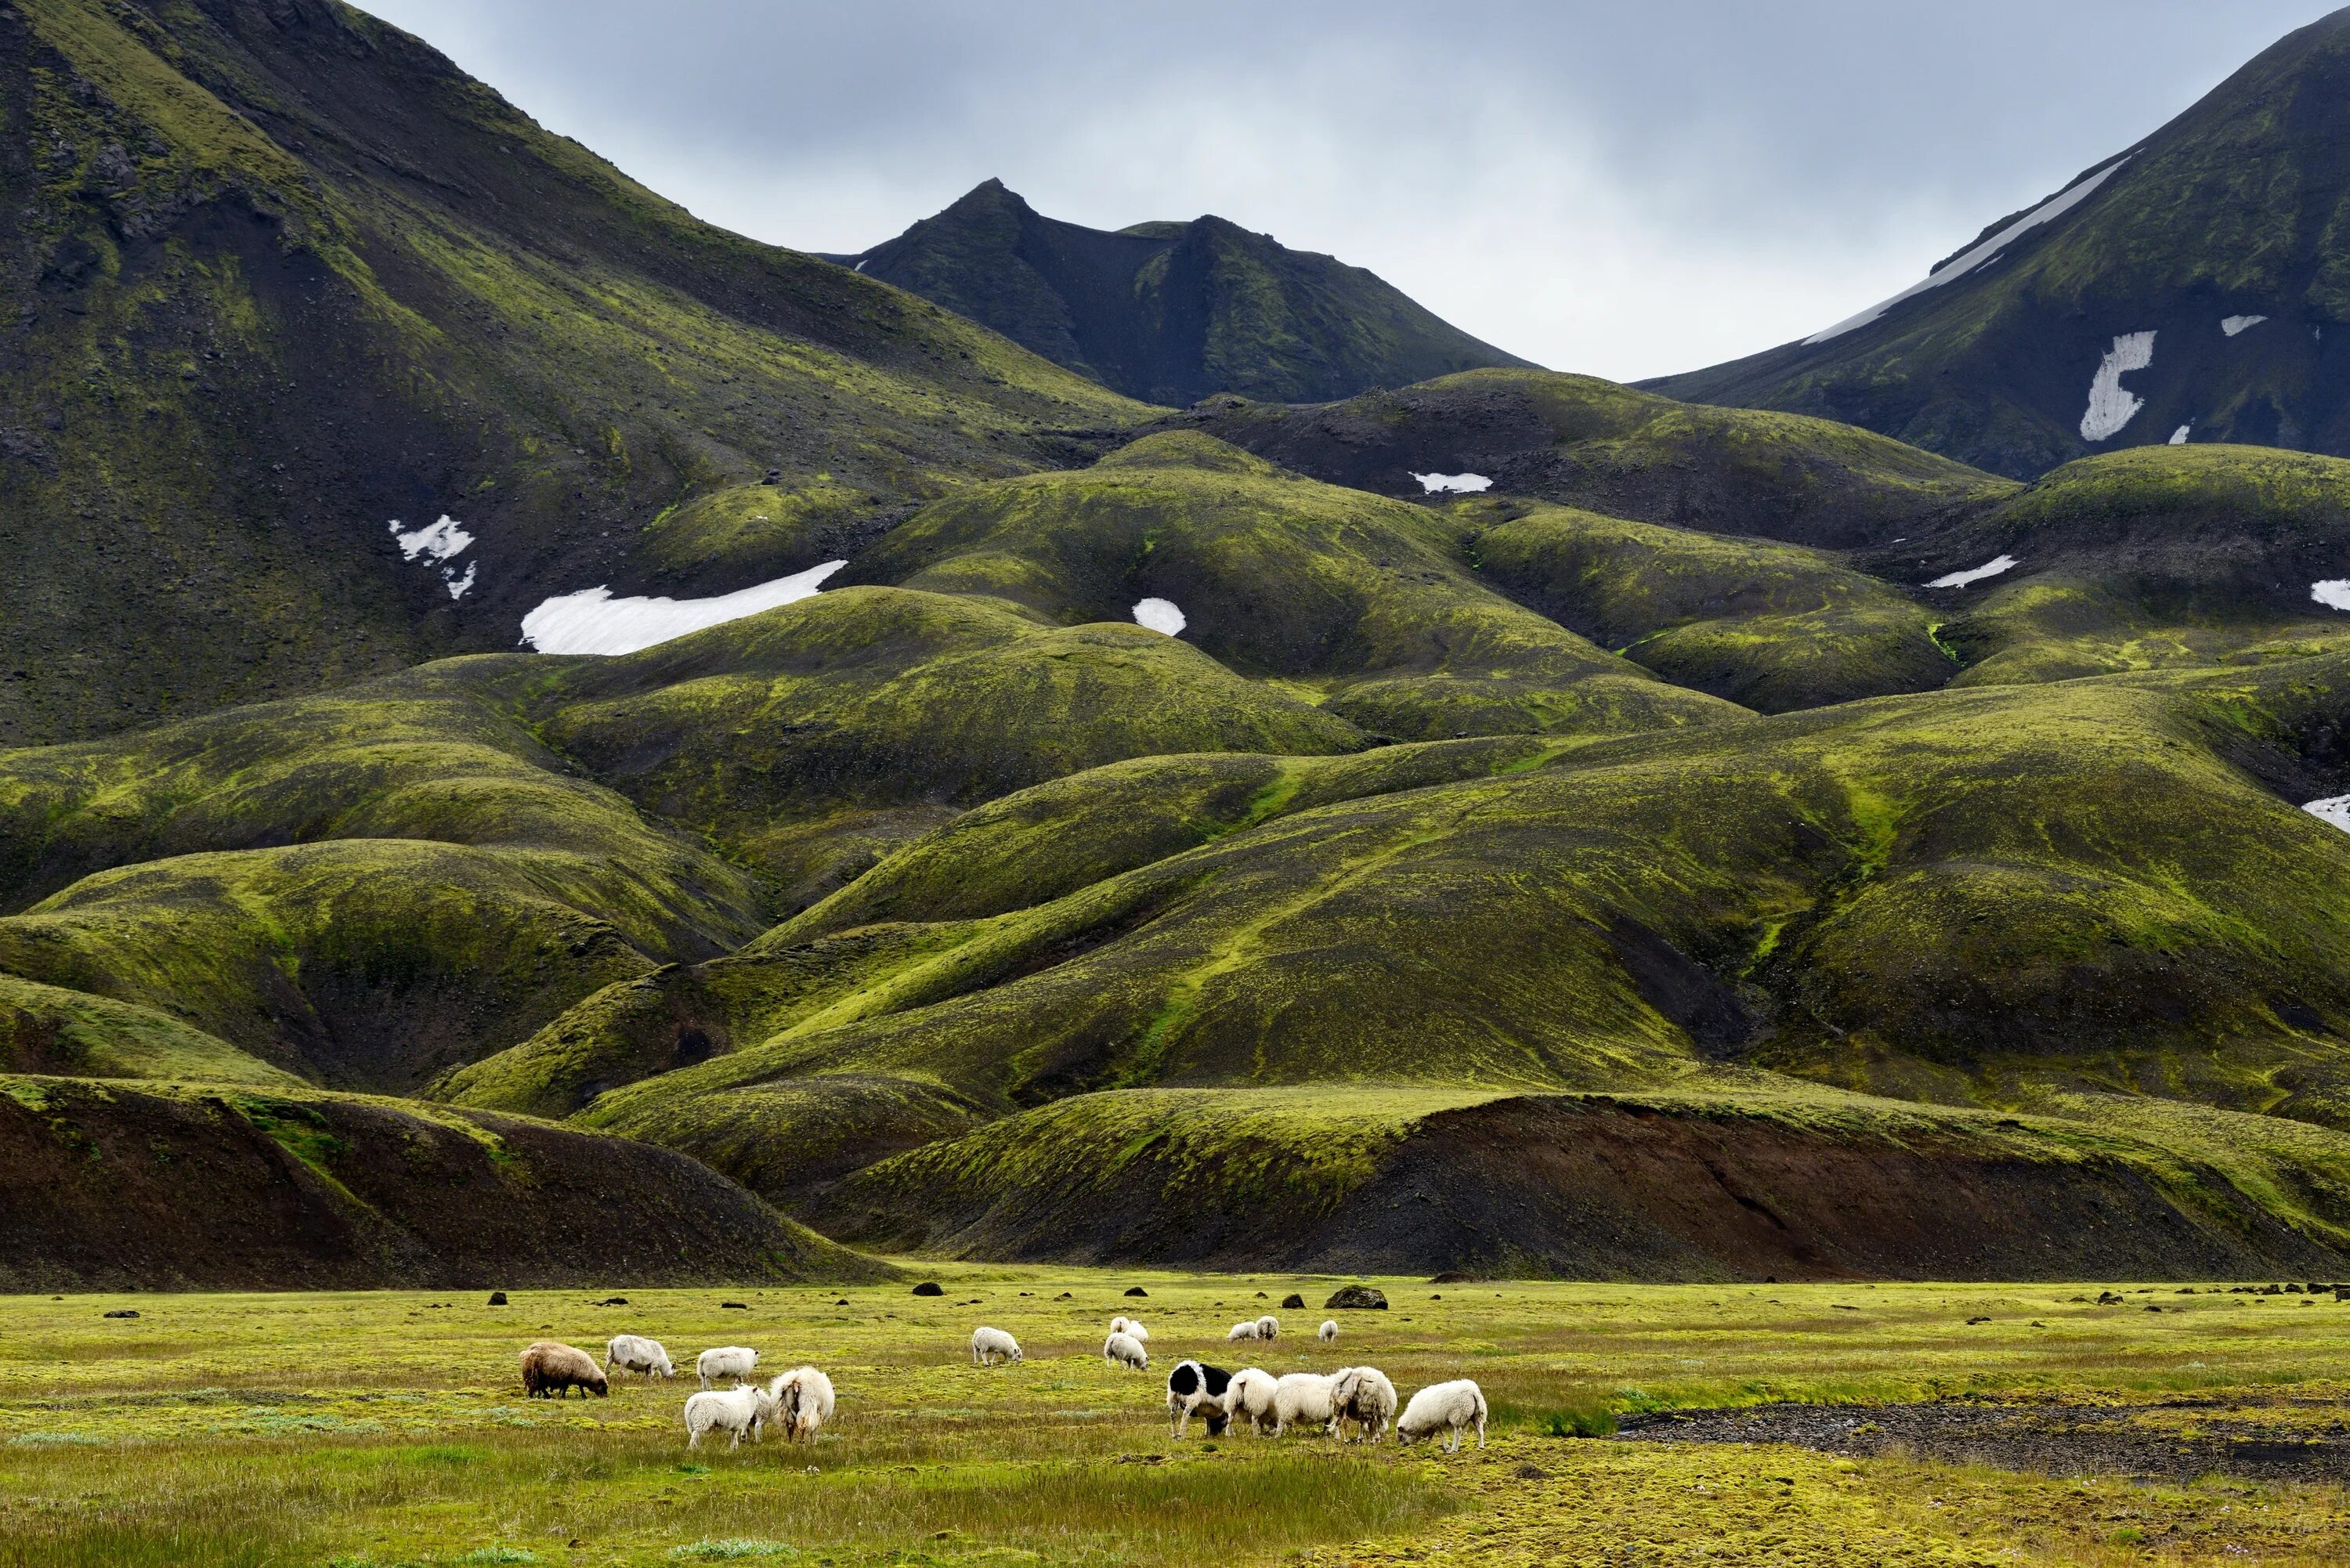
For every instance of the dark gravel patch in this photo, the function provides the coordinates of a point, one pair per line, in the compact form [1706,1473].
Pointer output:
[2052,1439]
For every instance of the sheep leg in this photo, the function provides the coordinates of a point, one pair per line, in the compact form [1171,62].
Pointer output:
[1480,1432]
[693,1438]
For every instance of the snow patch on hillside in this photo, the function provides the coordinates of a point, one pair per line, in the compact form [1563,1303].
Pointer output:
[2336,811]
[459,586]
[593,621]
[1452,483]
[2112,406]
[1986,251]
[441,540]
[1989,568]
[2333,593]
[2178,437]
[1160,615]
[2234,324]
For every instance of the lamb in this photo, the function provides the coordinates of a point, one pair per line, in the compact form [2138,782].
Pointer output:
[1301,1399]
[1250,1397]
[1268,1328]
[989,1345]
[1364,1396]
[1241,1331]
[803,1402]
[1132,1327]
[551,1371]
[635,1353]
[1444,1407]
[1329,1332]
[733,1411]
[725,1361]
[1193,1389]
[1124,1350]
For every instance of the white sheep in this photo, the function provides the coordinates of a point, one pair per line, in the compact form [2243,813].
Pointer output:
[1364,1396]
[1301,1399]
[1444,1407]
[803,1402]
[1250,1398]
[1329,1332]
[990,1345]
[733,1411]
[635,1353]
[1132,1327]
[725,1361]
[1268,1328]
[1124,1350]
[1241,1331]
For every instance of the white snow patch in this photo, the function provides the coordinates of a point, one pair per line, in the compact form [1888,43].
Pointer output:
[2333,593]
[459,586]
[2336,811]
[861,267]
[593,621]
[1452,483]
[1160,615]
[2178,437]
[2111,405]
[1958,266]
[2235,324]
[1989,568]
[441,541]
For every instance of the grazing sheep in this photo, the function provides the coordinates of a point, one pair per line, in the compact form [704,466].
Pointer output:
[1131,1327]
[1268,1328]
[803,1402]
[1364,1396]
[990,1345]
[635,1353]
[1301,1399]
[725,1361]
[1329,1332]
[1124,1350]
[551,1371]
[733,1411]
[1444,1407]
[1251,1398]
[1241,1331]
[1193,1389]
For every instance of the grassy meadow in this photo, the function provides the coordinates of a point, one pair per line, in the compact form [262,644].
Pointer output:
[390,1427]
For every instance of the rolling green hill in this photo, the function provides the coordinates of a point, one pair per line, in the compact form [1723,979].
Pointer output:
[1171,312]
[2199,275]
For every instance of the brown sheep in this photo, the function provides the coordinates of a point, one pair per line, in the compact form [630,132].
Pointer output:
[551,1371]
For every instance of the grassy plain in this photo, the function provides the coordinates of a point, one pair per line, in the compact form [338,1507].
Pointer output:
[389,1428]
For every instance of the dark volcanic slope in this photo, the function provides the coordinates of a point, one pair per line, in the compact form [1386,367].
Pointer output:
[2209,266]
[279,274]
[1171,312]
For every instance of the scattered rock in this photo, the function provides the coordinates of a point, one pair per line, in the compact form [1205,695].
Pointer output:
[497,1298]
[1450,1277]
[2151,1307]
[1293,1302]
[1358,1298]
[929,1288]
[842,1302]
[613,1301]
[734,1306]
[1972,1321]
[125,1311]
[1136,1290]
[1064,1296]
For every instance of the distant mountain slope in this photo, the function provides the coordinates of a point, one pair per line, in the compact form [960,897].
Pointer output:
[279,276]
[2195,286]
[1171,312]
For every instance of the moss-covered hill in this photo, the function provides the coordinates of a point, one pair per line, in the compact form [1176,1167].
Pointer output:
[1171,312]
[2203,275]
[280,276]
[1382,915]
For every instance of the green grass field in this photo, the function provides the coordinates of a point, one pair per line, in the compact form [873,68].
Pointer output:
[391,1428]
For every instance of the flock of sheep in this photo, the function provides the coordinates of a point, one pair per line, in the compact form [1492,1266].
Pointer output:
[799,1402]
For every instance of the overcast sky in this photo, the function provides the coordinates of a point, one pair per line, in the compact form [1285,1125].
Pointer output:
[1627,188]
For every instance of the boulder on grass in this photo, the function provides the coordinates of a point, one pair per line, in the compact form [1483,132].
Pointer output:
[1356,1298]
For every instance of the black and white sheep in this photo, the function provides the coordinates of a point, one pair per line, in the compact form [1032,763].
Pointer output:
[1449,1408]
[635,1353]
[990,1345]
[1124,1350]
[725,1361]
[735,1411]
[803,1401]
[1196,1391]
[1363,1395]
